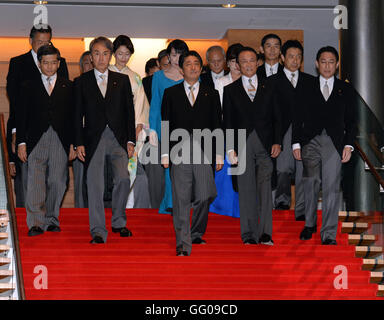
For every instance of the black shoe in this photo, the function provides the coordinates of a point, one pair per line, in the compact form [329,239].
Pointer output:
[250,241]
[124,232]
[97,239]
[266,239]
[306,234]
[329,242]
[282,206]
[300,218]
[199,241]
[53,228]
[180,252]
[35,231]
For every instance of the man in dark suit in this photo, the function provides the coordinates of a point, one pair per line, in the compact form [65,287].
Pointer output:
[191,105]
[323,132]
[150,68]
[216,63]
[270,48]
[44,123]
[22,68]
[290,86]
[104,99]
[248,104]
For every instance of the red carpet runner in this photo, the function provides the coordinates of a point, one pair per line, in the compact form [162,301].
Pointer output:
[145,266]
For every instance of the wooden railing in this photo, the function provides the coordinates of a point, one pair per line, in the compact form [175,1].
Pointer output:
[11,209]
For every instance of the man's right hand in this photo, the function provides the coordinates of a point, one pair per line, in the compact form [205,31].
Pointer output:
[13,143]
[232,157]
[22,152]
[297,154]
[80,151]
[12,169]
[165,162]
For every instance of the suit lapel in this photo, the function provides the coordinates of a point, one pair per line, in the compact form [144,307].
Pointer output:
[34,69]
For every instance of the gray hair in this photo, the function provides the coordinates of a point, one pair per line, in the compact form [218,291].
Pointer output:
[213,48]
[107,43]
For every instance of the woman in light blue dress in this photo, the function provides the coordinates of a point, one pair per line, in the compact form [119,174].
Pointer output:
[162,80]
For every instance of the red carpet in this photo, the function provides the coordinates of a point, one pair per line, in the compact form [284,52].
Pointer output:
[145,266]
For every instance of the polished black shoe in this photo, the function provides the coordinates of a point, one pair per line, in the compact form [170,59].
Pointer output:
[180,252]
[124,232]
[35,231]
[306,234]
[97,239]
[199,241]
[266,239]
[300,218]
[282,206]
[329,242]
[53,228]
[250,241]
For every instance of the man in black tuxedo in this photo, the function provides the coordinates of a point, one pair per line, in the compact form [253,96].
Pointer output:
[216,61]
[290,86]
[192,105]
[323,132]
[22,68]
[248,104]
[104,99]
[44,123]
[270,48]
[151,67]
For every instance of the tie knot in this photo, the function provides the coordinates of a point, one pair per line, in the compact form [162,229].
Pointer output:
[102,77]
[49,79]
[191,88]
[293,75]
[250,81]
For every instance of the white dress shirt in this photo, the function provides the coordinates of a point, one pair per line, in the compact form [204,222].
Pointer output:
[221,83]
[289,73]
[268,67]
[195,86]
[98,78]
[216,76]
[45,81]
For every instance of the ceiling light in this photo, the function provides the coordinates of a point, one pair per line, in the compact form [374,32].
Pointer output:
[228,5]
[40,2]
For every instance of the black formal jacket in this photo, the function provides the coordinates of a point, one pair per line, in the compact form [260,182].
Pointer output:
[147,84]
[337,116]
[115,110]
[286,96]
[239,112]
[36,111]
[207,79]
[261,73]
[205,113]
[23,68]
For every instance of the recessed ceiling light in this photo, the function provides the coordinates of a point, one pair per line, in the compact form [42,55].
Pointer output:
[40,2]
[228,5]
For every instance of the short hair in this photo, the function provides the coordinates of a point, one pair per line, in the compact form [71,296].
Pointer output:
[233,51]
[86,53]
[213,48]
[291,44]
[46,50]
[163,53]
[151,63]
[270,36]
[43,29]
[123,40]
[178,45]
[243,49]
[107,43]
[327,49]
[188,54]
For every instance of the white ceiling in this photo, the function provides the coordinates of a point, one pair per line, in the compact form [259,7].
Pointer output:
[197,19]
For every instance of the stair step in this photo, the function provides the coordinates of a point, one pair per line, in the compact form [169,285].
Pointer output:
[6,287]
[377,277]
[4,247]
[3,235]
[368,251]
[4,261]
[349,216]
[361,239]
[5,273]
[373,264]
[354,227]
[380,291]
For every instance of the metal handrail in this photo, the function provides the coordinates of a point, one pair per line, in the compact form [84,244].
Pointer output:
[11,209]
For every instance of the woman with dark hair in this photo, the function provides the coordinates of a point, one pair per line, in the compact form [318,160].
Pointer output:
[227,200]
[162,80]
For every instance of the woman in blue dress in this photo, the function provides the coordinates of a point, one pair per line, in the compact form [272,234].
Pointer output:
[227,200]
[162,80]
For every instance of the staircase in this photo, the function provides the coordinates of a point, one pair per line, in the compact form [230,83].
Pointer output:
[360,234]
[7,279]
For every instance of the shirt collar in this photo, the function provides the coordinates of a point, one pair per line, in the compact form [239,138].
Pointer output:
[246,79]
[274,67]
[329,81]
[289,74]
[34,56]
[217,75]
[98,74]
[53,78]
[195,86]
